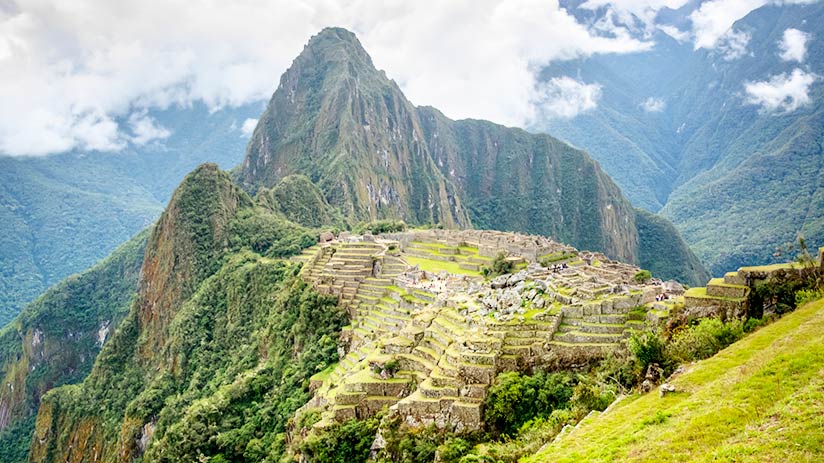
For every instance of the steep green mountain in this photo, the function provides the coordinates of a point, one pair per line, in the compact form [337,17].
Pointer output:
[55,339]
[736,180]
[349,129]
[300,201]
[214,355]
[60,214]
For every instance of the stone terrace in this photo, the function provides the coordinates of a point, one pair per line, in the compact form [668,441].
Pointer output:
[418,300]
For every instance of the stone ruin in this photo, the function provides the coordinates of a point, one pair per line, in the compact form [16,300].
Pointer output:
[417,301]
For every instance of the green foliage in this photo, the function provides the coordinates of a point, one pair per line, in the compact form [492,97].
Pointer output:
[347,442]
[453,449]
[648,348]
[500,266]
[230,400]
[514,399]
[239,347]
[704,339]
[588,396]
[68,317]
[642,276]
[381,226]
[268,234]
[405,444]
[804,296]
[300,201]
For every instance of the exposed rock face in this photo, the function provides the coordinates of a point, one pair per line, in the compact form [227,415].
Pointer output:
[345,125]
[185,247]
[350,130]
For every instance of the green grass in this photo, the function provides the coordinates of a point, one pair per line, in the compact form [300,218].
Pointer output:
[720,282]
[701,292]
[770,268]
[431,265]
[760,400]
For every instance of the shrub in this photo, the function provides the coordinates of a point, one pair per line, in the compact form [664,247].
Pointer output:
[705,339]
[453,449]
[807,295]
[648,348]
[392,366]
[588,396]
[349,442]
[642,276]
[500,266]
[515,399]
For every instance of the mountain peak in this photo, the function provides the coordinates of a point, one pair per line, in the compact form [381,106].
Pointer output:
[335,45]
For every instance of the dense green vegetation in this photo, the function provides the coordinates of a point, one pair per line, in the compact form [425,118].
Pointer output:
[55,338]
[300,201]
[222,371]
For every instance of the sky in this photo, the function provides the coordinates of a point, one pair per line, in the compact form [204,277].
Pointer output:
[86,74]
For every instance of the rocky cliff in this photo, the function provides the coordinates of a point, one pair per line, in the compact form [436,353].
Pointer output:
[374,155]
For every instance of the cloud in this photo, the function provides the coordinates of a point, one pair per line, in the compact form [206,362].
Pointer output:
[565,97]
[72,74]
[625,10]
[733,44]
[714,19]
[145,129]
[653,105]
[794,45]
[248,127]
[674,32]
[781,93]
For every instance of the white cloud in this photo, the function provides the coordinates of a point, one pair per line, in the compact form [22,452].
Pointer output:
[714,19]
[145,129]
[674,32]
[733,44]
[653,105]
[794,45]
[248,127]
[782,92]
[70,70]
[565,97]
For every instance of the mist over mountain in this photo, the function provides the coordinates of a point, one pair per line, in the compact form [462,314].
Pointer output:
[725,142]
[63,213]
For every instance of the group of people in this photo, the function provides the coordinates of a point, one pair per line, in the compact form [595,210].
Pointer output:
[557,268]
[661,297]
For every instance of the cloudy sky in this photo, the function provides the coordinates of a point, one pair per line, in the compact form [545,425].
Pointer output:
[85,74]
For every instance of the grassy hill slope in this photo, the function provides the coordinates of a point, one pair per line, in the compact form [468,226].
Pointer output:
[759,400]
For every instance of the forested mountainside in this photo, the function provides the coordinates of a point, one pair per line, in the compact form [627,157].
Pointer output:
[55,339]
[349,129]
[736,177]
[222,336]
[60,214]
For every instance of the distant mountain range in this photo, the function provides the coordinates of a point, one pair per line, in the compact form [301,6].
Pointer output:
[679,132]
[60,214]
